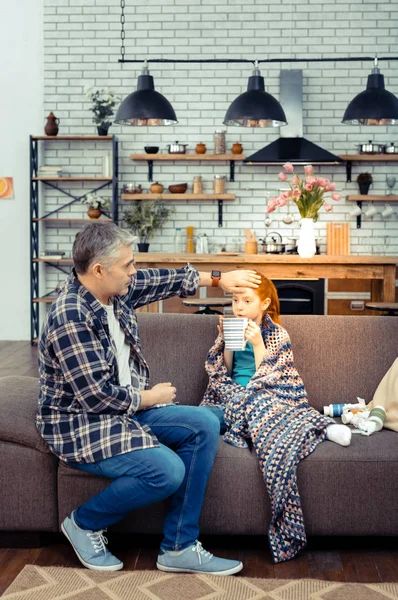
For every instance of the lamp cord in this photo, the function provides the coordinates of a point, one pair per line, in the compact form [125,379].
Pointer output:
[122,32]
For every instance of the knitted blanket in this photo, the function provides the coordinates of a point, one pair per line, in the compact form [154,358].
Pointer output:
[273,411]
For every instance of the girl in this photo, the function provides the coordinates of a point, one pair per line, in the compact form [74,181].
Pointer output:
[258,394]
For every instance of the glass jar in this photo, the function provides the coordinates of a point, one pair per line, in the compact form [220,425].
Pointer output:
[179,241]
[219,184]
[190,246]
[197,187]
[219,141]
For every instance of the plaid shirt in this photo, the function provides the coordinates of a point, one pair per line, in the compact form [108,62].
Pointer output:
[84,415]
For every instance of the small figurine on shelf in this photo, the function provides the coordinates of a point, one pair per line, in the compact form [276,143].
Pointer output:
[103,107]
[96,204]
[364,180]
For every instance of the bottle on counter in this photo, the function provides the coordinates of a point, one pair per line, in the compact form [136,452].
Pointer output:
[179,242]
[190,246]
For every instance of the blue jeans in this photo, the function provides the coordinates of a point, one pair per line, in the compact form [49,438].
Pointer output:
[219,413]
[179,468]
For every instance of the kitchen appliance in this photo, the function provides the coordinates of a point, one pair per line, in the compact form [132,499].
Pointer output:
[177,148]
[301,297]
[391,149]
[291,145]
[272,243]
[370,148]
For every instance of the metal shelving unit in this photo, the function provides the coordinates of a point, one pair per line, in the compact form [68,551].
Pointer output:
[36,218]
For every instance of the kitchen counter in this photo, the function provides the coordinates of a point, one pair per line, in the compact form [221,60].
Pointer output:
[380,269]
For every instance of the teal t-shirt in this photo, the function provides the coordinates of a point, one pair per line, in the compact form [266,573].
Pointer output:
[243,365]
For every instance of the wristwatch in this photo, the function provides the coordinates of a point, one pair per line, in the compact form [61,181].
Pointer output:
[215,278]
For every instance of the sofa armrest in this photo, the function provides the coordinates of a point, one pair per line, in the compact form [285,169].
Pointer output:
[18,408]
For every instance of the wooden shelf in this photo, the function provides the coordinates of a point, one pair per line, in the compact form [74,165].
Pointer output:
[370,198]
[70,138]
[200,157]
[65,261]
[50,220]
[71,178]
[45,300]
[127,196]
[370,157]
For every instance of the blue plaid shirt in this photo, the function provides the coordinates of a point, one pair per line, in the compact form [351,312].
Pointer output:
[84,415]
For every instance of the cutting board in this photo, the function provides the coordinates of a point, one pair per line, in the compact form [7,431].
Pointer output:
[338,239]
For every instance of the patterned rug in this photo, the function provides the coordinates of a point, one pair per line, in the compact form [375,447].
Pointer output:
[55,583]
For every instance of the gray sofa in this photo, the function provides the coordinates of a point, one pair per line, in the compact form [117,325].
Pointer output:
[344,491]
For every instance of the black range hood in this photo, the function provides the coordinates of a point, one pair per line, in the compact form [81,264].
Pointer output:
[292,146]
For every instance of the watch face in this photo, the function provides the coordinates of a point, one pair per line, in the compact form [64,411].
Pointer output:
[216,273]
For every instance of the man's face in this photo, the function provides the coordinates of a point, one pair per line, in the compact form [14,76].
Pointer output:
[117,277]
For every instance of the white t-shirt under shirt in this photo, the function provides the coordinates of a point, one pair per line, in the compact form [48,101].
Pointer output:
[122,347]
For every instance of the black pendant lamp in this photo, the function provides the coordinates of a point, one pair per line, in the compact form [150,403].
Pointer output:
[145,106]
[374,106]
[255,108]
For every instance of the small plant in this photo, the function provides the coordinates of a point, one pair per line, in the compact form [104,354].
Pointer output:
[96,201]
[103,105]
[146,218]
[365,178]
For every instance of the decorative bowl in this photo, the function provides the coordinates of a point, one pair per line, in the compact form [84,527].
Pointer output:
[178,188]
[151,149]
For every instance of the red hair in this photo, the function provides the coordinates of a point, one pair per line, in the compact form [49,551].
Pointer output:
[266,289]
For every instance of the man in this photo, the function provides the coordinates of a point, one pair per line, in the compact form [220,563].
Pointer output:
[97,413]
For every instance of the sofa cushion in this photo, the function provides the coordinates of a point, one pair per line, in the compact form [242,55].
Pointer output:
[18,408]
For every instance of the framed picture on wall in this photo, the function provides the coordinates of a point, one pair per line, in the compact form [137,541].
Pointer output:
[6,187]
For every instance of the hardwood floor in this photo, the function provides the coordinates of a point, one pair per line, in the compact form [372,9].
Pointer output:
[363,560]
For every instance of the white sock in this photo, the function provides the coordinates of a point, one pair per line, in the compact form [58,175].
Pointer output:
[340,434]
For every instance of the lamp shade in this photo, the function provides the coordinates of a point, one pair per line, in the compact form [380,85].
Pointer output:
[255,108]
[374,106]
[145,106]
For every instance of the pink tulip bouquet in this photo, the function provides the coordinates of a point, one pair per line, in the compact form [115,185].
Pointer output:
[307,193]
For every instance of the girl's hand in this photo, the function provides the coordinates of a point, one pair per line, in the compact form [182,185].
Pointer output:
[253,333]
[220,327]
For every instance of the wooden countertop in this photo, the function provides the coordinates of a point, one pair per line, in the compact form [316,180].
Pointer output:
[381,270]
[262,259]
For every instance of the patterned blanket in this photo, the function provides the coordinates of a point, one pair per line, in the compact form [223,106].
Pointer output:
[273,411]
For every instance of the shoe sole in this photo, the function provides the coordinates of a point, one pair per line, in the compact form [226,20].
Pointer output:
[86,564]
[231,571]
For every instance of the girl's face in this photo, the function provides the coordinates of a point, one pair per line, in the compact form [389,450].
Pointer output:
[247,304]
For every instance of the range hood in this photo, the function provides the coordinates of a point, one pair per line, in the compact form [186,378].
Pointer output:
[291,145]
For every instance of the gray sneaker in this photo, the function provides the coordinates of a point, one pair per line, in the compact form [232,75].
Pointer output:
[195,559]
[90,546]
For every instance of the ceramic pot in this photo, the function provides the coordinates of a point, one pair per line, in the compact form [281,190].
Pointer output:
[143,246]
[306,245]
[51,127]
[94,213]
[200,148]
[103,129]
[156,188]
[364,187]
[237,148]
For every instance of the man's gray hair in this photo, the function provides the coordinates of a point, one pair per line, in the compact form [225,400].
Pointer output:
[99,242]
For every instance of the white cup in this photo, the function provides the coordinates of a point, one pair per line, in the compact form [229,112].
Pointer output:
[356,211]
[388,211]
[234,333]
[370,211]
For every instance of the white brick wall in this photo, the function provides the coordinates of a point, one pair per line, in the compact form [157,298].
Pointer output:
[82,47]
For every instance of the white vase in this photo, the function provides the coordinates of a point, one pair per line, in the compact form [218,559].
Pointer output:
[306,245]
